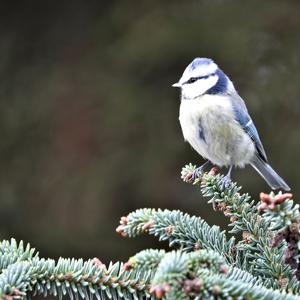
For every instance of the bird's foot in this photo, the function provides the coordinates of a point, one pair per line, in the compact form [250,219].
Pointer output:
[225,182]
[197,173]
[226,179]
[191,174]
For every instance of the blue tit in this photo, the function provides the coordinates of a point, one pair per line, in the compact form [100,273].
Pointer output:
[215,121]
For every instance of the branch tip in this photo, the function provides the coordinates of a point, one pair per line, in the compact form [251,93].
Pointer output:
[269,201]
[121,230]
[124,220]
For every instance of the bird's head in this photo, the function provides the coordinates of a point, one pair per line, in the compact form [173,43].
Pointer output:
[203,76]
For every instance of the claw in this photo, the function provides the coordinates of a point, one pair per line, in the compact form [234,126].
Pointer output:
[197,173]
[226,179]
[225,182]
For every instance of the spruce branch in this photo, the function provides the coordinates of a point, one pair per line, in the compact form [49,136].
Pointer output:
[208,265]
[221,288]
[145,260]
[200,259]
[256,252]
[283,215]
[15,280]
[11,252]
[72,277]
[188,232]
[87,279]
[183,276]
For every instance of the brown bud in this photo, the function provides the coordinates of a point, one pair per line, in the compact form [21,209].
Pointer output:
[278,238]
[67,277]
[169,230]
[188,177]
[214,171]
[247,237]
[127,266]
[227,212]
[16,291]
[193,285]
[283,282]
[97,262]
[261,207]
[222,206]
[124,221]
[216,290]
[197,246]
[294,228]
[147,225]
[265,198]
[224,269]
[270,201]
[233,250]
[233,219]
[282,197]
[120,230]
[160,290]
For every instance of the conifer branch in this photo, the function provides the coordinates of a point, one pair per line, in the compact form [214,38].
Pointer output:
[11,252]
[257,251]
[87,279]
[208,265]
[75,278]
[205,259]
[145,260]
[178,278]
[188,232]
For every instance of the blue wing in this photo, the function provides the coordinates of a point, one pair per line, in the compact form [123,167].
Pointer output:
[242,116]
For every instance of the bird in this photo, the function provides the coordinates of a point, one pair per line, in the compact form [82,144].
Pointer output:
[215,122]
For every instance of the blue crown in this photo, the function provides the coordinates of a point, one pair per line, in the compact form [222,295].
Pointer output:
[200,61]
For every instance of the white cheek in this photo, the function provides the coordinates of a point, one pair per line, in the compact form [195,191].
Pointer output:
[199,87]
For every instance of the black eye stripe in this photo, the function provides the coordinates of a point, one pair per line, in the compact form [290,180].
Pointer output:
[193,79]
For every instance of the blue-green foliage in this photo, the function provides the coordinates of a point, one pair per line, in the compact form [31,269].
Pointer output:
[205,264]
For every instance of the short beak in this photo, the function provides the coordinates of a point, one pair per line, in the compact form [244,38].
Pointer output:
[177,84]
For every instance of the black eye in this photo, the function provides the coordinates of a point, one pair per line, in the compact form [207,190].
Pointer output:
[192,79]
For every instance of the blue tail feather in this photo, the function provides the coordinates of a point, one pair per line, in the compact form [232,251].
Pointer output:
[269,175]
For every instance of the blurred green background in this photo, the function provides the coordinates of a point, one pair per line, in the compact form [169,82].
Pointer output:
[89,121]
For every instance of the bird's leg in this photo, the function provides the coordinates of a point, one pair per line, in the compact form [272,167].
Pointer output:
[200,170]
[227,179]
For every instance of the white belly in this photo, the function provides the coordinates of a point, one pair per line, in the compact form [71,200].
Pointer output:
[223,141]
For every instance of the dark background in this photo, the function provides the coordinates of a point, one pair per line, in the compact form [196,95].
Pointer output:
[89,122]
